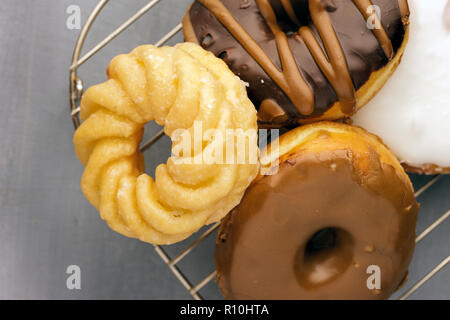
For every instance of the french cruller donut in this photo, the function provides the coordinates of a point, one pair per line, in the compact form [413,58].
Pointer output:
[304,60]
[337,206]
[177,87]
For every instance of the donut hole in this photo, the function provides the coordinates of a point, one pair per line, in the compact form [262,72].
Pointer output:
[159,150]
[326,255]
[322,240]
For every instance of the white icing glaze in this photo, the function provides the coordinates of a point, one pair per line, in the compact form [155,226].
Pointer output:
[412,112]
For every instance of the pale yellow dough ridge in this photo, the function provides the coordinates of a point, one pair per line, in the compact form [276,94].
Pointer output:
[174,86]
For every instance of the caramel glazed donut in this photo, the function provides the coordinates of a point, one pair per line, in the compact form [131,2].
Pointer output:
[304,60]
[339,203]
[175,87]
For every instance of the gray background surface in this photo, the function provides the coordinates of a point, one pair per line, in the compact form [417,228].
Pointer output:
[45,222]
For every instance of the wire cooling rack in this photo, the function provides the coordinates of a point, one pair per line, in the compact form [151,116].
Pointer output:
[76,91]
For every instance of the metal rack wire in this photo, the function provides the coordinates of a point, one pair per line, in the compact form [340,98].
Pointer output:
[76,91]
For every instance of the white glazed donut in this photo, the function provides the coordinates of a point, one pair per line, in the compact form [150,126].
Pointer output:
[412,113]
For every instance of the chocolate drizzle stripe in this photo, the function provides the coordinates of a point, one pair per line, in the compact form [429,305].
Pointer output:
[332,63]
[224,16]
[404,8]
[378,30]
[335,70]
[297,86]
[294,86]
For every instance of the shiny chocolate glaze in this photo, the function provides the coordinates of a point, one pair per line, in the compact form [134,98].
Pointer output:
[312,230]
[299,57]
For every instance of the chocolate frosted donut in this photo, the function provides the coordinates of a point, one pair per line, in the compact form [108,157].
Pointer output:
[339,204]
[303,60]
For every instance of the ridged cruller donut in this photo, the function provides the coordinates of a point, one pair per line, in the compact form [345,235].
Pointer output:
[174,86]
[337,207]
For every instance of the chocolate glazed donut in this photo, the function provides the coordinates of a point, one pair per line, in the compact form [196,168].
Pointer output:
[304,60]
[339,204]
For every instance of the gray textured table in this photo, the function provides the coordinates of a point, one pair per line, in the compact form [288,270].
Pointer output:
[45,222]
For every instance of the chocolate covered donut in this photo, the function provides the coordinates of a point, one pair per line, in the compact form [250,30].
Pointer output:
[339,207]
[303,60]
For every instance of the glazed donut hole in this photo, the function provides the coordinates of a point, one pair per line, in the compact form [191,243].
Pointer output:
[326,256]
